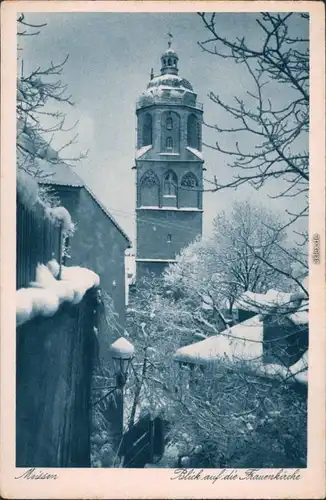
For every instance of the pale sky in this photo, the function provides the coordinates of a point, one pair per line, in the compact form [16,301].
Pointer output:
[110,58]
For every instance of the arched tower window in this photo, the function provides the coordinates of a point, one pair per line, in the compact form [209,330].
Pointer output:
[189,191]
[146,136]
[169,143]
[149,190]
[169,123]
[170,132]
[170,189]
[193,132]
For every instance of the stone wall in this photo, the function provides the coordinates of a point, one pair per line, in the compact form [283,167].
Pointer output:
[163,234]
[54,360]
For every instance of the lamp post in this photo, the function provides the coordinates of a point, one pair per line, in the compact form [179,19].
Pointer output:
[122,352]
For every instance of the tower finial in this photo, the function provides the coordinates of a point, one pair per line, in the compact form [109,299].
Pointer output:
[170,39]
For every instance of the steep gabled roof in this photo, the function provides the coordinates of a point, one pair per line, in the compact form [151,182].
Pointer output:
[61,174]
[108,214]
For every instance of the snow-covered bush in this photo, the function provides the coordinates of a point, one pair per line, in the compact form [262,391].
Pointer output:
[61,216]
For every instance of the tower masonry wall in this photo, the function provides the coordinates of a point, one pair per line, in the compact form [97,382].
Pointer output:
[160,168]
[158,114]
[161,234]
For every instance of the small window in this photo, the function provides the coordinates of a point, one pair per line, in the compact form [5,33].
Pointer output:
[169,143]
[193,132]
[164,62]
[169,240]
[169,62]
[169,123]
[170,184]
[147,130]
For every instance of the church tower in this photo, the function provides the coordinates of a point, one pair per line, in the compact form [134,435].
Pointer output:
[169,167]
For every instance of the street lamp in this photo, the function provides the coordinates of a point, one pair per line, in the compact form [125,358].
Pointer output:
[122,352]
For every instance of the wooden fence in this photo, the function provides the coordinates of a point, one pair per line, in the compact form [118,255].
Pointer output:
[54,364]
[38,240]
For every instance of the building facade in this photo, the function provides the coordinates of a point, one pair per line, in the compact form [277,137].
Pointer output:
[169,168]
[99,243]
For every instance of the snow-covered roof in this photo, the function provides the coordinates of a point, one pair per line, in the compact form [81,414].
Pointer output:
[195,152]
[141,151]
[301,315]
[297,372]
[266,303]
[59,174]
[170,81]
[243,341]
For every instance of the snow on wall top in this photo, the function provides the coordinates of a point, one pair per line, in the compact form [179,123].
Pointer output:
[46,294]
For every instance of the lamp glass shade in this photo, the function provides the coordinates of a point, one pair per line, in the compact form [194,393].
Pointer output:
[121,352]
[124,366]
